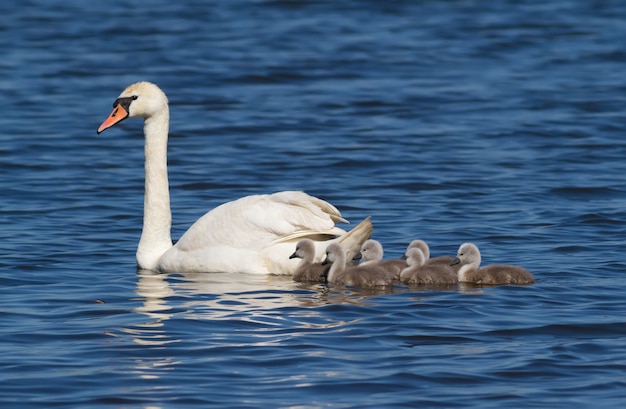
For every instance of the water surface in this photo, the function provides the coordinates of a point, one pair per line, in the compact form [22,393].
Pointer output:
[500,123]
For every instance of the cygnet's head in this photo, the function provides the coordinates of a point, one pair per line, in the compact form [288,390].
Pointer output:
[334,253]
[468,253]
[305,249]
[422,245]
[371,250]
[415,257]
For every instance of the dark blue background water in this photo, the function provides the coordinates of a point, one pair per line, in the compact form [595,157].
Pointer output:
[497,122]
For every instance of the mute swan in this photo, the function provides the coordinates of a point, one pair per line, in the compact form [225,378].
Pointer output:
[372,255]
[254,234]
[308,270]
[468,257]
[361,276]
[419,272]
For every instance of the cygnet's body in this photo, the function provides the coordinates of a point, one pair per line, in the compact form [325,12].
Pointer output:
[468,257]
[372,255]
[308,270]
[419,272]
[361,276]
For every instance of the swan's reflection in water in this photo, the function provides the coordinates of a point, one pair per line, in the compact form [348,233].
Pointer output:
[251,309]
[241,297]
[210,294]
[244,296]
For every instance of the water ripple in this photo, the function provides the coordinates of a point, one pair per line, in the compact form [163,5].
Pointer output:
[499,123]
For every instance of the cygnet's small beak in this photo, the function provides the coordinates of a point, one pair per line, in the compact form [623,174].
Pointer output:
[357,256]
[455,261]
[294,255]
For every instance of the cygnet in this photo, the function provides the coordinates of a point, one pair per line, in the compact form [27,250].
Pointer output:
[468,257]
[372,255]
[361,276]
[307,270]
[419,272]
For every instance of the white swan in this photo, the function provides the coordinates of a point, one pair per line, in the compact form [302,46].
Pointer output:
[361,276]
[468,257]
[308,270]
[254,234]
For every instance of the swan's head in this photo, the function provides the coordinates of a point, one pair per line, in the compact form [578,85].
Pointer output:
[468,254]
[139,100]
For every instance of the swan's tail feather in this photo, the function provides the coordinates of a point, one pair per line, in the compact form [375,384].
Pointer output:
[352,240]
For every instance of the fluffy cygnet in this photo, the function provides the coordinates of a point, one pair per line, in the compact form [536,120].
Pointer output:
[468,257]
[372,255]
[308,270]
[419,272]
[361,276]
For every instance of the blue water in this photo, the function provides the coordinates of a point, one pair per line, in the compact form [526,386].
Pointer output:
[497,122]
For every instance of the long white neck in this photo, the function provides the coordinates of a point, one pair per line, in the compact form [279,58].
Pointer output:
[157,215]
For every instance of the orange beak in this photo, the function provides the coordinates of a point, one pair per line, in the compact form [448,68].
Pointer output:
[118,115]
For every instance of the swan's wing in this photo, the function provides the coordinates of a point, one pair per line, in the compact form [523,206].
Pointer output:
[254,222]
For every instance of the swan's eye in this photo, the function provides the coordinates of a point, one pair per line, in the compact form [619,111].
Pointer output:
[124,101]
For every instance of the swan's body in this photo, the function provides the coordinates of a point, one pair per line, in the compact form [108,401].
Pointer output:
[360,276]
[468,257]
[419,272]
[308,270]
[254,234]
[372,255]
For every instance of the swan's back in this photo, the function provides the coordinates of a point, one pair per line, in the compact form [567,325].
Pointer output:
[246,222]
[308,270]
[255,234]
[469,258]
